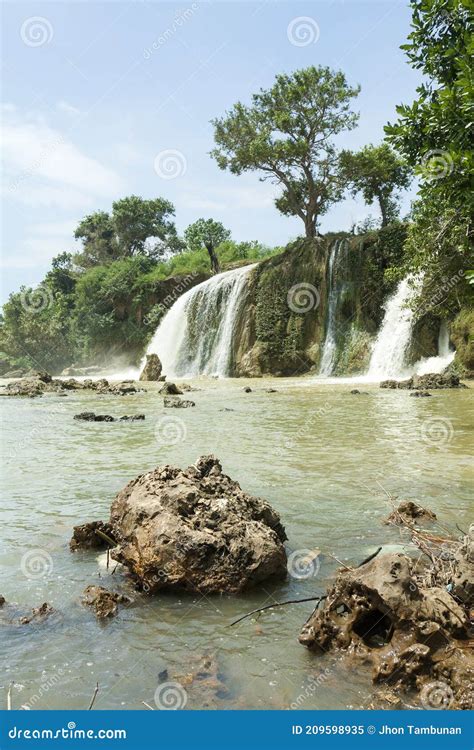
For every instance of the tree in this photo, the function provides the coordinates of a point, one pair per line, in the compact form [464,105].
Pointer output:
[378,173]
[135,227]
[286,134]
[434,131]
[433,134]
[207,233]
[137,221]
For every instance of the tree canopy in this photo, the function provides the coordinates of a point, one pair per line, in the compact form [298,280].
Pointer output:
[286,134]
[207,233]
[378,173]
[135,227]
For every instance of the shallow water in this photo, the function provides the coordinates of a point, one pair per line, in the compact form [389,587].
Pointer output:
[321,456]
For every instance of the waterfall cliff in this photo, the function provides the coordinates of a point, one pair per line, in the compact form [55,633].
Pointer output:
[197,335]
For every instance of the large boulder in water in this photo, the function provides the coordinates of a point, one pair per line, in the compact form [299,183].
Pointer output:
[152,369]
[429,381]
[195,529]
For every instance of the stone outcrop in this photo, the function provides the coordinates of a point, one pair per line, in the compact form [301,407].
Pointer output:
[177,403]
[90,416]
[430,381]
[153,368]
[195,529]
[401,617]
[170,389]
[41,383]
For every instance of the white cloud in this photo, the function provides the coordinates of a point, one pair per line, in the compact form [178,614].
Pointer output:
[228,198]
[43,167]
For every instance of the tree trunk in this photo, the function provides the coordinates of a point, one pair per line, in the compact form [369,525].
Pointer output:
[383,210]
[310,226]
[215,265]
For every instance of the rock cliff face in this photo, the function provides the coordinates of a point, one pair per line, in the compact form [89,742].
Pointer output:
[283,325]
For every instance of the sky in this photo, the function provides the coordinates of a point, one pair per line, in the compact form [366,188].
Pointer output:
[104,100]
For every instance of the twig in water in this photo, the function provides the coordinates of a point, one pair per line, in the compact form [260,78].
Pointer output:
[278,604]
[148,705]
[94,697]
[370,557]
[108,558]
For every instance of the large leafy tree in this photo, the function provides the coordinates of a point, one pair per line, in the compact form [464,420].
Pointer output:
[287,135]
[434,134]
[135,227]
[379,174]
[209,234]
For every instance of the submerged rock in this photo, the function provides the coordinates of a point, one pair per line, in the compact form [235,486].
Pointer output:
[2,600]
[104,602]
[420,394]
[177,403]
[247,389]
[407,512]
[38,613]
[153,368]
[170,389]
[431,381]
[90,416]
[195,529]
[85,536]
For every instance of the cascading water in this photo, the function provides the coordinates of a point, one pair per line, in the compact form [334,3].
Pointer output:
[444,358]
[329,346]
[195,337]
[393,339]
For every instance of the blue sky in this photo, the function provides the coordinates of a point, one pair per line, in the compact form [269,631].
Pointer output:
[94,93]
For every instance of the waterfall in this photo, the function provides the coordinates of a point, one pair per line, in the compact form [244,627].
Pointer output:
[393,339]
[329,346]
[195,337]
[444,358]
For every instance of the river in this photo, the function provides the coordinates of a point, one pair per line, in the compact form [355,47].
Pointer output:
[323,457]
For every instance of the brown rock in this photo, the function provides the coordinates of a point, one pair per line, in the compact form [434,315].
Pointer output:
[86,536]
[153,368]
[407,512]
[170,389]
[104,602]
[195,529]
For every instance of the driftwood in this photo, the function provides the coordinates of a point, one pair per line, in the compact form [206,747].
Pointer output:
[93,697]
[278,604]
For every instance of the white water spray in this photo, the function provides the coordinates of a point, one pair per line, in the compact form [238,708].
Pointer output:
[196,336]
[329,346]
[393,339]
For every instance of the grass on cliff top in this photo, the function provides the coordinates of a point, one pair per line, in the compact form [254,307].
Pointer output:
[230,254]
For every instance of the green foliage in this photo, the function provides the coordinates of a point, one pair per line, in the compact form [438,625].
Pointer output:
[433,133]
[107,310]
[287,136]
[378,173]
[135,227]
[205,233]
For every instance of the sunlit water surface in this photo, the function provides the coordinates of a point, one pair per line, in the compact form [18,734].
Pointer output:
[321,456]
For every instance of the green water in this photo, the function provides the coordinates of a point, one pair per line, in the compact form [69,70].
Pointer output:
[318,454]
